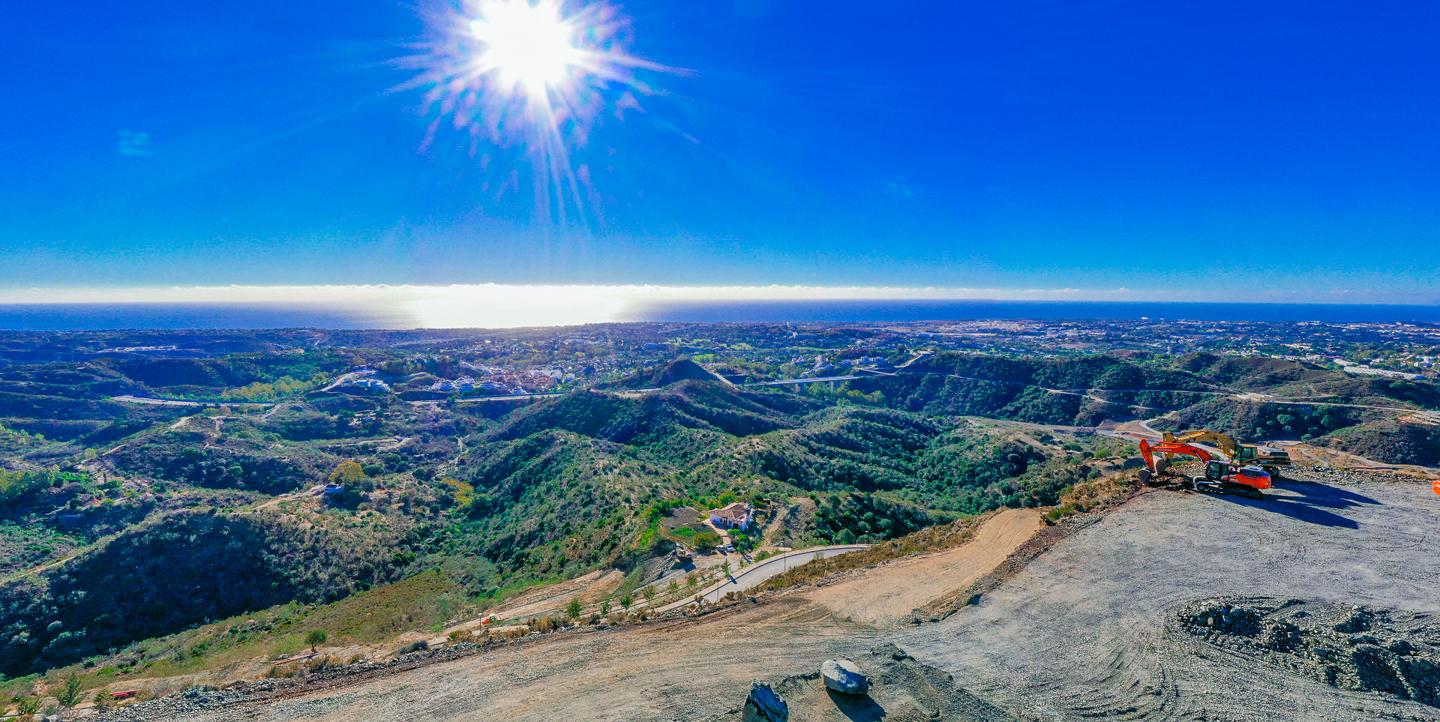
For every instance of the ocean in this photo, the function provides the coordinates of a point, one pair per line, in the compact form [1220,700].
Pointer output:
[87,317]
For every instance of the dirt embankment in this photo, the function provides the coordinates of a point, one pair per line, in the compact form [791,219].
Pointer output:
[892,592]
[589,589]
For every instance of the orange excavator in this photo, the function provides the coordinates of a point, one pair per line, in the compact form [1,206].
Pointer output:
[1222,476]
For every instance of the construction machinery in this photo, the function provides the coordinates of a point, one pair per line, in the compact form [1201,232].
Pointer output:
[1223,477]
[1271,460]
[1220,475]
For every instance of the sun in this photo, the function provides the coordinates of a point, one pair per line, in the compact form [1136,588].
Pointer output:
[529,46]
[535,76]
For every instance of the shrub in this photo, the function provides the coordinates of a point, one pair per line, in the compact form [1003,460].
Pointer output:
[315,638]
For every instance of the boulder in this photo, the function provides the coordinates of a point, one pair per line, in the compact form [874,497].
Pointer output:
[844,676]
[764,705]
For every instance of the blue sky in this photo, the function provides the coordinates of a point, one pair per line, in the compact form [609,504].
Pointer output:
[1230,150]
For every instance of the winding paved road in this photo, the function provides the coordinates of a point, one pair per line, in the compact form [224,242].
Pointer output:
[754,574]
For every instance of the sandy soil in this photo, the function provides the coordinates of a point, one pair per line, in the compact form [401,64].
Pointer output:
[888,594]
[1080,632]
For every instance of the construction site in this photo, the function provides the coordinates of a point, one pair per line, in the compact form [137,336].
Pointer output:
[1225,581]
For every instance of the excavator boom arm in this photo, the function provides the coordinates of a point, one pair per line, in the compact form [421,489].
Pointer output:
[1223,442]
[1172,448]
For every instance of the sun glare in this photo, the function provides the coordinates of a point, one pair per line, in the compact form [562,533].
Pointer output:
[535,76]
[529,46]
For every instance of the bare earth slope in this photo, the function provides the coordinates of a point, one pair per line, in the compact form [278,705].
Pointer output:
[890,593]
[1082,631]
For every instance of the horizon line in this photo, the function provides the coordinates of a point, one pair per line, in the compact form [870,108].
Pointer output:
[633,293]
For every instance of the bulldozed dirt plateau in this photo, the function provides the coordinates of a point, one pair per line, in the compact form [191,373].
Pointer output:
[1317,603]
[1092,628]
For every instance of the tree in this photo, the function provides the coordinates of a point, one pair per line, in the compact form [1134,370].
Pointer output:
[572,610]
[726,567]
[649,594]
[347,472]
[71,694]
[626,601]
[315,638]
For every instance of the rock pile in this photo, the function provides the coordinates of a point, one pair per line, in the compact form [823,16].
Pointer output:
[1351,647]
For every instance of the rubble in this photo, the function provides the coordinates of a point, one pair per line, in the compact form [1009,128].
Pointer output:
[1351,647]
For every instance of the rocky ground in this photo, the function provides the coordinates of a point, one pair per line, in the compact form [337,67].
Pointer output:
[1087,628]
[1362,648]
[901,690]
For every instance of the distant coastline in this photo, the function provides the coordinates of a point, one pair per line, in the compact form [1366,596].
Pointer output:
[95,317]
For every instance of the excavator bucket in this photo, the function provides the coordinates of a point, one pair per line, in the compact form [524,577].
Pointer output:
[1150,460]
[1435,486]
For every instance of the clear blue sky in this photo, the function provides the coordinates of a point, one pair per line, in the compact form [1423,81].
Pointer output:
[1033,143]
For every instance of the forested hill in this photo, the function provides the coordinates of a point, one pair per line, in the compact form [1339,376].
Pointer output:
[566,484]
[1081,391]
[1249,397]
[681,369]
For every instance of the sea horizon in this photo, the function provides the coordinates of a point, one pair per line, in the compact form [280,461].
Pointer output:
[257,315]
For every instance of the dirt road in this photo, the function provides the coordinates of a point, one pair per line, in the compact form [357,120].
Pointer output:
[1080,632]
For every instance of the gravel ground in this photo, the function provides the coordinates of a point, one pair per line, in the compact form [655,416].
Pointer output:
[1087,629]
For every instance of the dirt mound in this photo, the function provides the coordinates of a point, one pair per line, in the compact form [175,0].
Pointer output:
[1351,647]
